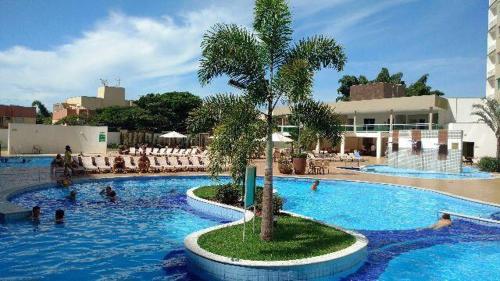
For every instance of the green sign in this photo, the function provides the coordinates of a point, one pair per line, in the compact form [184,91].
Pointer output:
[250,178]
[102,137]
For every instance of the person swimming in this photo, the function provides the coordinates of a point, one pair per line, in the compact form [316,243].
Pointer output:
[112,196]
[72,195]
[444,221]
[35,213]
[314,186]
[106,191]
[59,218]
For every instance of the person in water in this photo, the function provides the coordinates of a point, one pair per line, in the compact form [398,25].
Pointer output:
[112,196]
[314,186]
[72,195]
[59,218]
[35,213]
[68,159]
[444,221]
[107,191]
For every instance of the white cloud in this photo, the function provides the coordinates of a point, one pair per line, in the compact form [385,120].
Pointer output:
[136,49]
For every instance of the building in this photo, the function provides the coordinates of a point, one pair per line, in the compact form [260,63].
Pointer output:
[77,106]
[16,114]
[493,52]
[371,115]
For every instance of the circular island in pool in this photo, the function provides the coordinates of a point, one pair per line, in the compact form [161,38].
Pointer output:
[141,235]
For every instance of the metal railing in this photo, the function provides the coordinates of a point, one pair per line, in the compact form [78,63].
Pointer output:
[386,127]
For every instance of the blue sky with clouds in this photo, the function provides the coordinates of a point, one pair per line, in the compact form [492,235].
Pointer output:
[51,50]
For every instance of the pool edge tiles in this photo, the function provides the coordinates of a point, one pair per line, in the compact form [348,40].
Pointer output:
[210,266]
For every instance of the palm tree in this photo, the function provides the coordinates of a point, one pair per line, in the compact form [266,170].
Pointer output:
[489,113]
[268,67]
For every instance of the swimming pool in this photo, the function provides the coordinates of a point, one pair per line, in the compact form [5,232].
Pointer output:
[467,173]
[140,236]
[25,162]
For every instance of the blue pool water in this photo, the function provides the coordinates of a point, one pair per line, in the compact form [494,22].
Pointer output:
[29,162]
[467,173]
[369,206]
[140,237]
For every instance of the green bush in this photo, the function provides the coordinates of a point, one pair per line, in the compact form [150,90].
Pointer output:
[228,194]
[299,155]
[488,164]
[278,201]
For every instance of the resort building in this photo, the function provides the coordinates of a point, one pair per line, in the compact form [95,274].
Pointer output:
[106,96]
[493,53]
[378,108]
[16,114]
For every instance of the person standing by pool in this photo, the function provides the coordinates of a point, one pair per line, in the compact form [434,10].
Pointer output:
[67,159]
[59,218]
[314,186]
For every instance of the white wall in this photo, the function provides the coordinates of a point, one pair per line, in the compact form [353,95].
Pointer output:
[4,133]
[483,137]
[52,138]
[113,137]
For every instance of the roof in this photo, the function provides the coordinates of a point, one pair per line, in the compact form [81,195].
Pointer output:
[401,104]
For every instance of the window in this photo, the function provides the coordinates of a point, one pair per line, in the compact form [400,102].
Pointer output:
[369,124]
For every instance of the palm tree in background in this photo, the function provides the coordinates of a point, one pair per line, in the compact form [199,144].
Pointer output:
[489,113]
[268,68]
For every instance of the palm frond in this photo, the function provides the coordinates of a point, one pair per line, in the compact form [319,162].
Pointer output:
[319,52]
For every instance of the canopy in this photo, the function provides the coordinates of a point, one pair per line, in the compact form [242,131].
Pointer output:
[173,135]
[278,137]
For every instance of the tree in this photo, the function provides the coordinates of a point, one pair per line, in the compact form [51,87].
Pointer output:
[346,82]
[237,131]
[420,88]
[267,68]
[43,116]
[73,120]
[131,118]
[489,113]
[169,111]
[385,77]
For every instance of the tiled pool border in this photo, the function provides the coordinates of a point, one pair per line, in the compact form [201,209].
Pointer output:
[207,265]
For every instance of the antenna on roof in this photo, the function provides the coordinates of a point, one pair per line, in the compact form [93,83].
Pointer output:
[118,82]
[104,82]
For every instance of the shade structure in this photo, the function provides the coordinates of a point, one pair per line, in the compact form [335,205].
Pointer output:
[278,137]
[173,135]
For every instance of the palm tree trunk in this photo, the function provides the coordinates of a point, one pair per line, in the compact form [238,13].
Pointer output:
[266,227]
[498,154]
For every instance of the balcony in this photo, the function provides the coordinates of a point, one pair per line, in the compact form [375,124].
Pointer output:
[492,23]
[386,128]
[491,2]
[491,48]
[490,73]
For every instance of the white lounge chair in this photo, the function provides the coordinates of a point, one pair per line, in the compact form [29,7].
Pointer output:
[79,169]
[154,166]
[188,151]
[161,152]
[174,162]
[169,151]
[88,164]
[154,151]
[129,166]
[162,161]
[132,151]
[100,162]
[148,150]
[195,160]
[186,164]
[182,151]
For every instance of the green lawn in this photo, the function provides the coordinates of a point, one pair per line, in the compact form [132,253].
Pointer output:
[294,238]
[206,192]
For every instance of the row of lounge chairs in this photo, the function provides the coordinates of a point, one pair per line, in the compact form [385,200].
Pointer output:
[336,157]
[167,151]
[157,164]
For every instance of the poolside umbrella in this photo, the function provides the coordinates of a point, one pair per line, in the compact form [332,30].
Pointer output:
[173,135]
[278,137]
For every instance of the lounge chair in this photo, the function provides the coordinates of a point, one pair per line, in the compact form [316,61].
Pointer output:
[148,151]
[154,166]
[188,151]
[181,151]
[79,169]
[162,161]
[88,164]
[154,151]
[129,165]
[169,151]
[174,162]
[186,164]
[195,160]
[100,162]
[132,151]
[175,151]
[161,152]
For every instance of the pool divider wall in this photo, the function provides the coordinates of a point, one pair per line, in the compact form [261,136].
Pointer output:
[209,266]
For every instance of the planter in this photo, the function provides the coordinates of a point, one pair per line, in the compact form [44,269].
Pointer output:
[299,165]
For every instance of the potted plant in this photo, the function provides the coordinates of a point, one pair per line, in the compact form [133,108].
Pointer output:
[299,161]
[284,166]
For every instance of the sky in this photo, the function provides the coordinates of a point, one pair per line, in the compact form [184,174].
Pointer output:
[52,50]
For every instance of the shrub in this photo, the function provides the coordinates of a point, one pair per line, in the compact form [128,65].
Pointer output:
[228,194]
[277,201]
[284,166]
[488,164]
[299,155]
